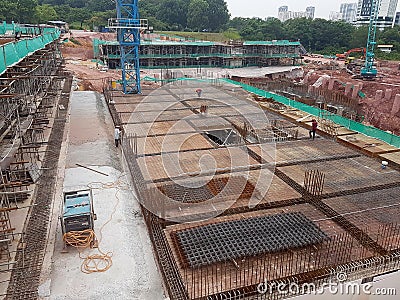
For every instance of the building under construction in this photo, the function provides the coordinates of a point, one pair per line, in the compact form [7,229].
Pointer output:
[195,54]
[34,92]
[236,196]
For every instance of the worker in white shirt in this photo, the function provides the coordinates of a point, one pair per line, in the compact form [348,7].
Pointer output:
[117,136]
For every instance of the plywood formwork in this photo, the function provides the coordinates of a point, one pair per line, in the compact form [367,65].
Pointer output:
[296,152]
[159,128]
[172,143]
[393,158]
[213,182]
[346,174]
[194,162]
[154,116]
[370,146]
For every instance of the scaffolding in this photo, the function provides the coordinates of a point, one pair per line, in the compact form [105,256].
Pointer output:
[191,54]
[31,84]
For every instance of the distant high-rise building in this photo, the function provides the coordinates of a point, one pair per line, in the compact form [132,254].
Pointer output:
[349,12]
[397,19]
[335,16]
[283,8]
[386,13]
[285,14]
[282,13]
[310,12]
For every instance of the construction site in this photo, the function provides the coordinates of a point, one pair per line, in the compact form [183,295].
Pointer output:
[196,177]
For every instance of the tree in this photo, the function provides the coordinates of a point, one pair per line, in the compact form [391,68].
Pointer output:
[100,18]
[71,14]
[359,37]
[173,12]
[44,13]
[249,28]
[8,11]
[25,9]
[300,29]
[197,18]
[218,14]
[232,34]
[272,29]
[100,5]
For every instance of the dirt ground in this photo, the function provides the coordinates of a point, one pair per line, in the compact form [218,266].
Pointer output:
[78,55]
[377,112]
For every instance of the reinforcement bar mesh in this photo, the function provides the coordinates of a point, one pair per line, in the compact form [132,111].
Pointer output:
[224,241]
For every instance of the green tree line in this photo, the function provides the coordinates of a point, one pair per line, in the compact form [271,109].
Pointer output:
[196,15]
[318,35]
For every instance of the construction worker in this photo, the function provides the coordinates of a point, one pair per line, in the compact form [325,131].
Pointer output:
[117,136]
[314,126]
[198,91]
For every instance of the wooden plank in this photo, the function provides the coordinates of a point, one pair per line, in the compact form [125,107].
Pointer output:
[368,145]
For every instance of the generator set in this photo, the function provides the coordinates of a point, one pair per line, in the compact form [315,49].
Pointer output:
[78,214]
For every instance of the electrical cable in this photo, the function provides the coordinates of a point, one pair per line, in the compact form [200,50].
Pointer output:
[85,239]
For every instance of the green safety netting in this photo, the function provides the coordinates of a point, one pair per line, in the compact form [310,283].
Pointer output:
[370,131]
[4,27]
[15,51]
[272,43]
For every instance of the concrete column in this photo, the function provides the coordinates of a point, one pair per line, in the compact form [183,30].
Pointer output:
[356,88]
[331,84]
[396,105]
[388,94]
[378,95]
[347,88]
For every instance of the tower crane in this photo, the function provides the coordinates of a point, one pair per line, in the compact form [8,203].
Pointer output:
[369,71]
[128,26]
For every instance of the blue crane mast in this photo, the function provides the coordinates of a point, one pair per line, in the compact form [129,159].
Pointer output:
[128,26]
[369,71]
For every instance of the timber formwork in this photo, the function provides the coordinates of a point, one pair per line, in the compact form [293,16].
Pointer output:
[35,95]
[352,202]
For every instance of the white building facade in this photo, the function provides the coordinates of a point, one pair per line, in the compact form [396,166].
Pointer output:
[349,12]
[285,14]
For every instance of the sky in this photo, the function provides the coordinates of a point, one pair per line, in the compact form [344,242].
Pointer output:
[269,8]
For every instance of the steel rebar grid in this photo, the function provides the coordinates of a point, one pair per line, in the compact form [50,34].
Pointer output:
[230,240]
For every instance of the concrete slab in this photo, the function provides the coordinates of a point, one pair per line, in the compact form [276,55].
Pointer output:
[120,227]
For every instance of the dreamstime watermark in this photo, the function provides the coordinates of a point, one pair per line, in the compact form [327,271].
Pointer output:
[193,150]
[333,287]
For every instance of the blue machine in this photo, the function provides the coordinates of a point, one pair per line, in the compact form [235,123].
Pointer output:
[369,71]
[128,26]
[78,214]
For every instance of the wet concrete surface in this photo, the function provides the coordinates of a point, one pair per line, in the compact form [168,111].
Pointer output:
[119,226]
[91,132]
